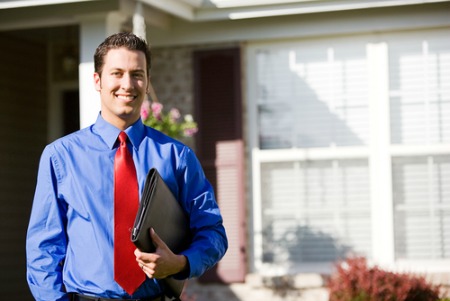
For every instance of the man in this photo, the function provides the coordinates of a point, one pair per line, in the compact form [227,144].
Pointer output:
[71,234]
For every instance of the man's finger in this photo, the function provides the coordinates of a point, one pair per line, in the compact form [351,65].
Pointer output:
[156,239]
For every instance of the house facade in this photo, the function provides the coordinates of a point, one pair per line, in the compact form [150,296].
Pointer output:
[324,125]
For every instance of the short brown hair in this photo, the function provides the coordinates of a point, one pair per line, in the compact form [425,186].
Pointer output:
[118,40]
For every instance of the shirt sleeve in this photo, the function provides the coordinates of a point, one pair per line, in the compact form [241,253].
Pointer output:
[46,238]
[209,241]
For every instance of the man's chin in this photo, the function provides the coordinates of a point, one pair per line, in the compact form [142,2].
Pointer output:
[129,117]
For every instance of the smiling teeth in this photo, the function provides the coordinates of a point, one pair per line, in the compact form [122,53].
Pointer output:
[130,97]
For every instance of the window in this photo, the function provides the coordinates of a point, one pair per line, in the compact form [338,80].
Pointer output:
[350,149]
[312,96]
[422,207]
[315,211]
[419,92]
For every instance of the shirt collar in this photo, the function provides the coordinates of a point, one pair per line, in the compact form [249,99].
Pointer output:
[109,133]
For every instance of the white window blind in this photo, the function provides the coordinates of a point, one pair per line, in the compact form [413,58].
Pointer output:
[313,96]
[420,90]
[315,211]
[420,115]
[422,207]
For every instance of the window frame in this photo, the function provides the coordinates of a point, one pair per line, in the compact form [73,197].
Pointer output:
[379,153]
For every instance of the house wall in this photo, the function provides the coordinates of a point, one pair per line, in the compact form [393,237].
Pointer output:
[408,17]
[23,97]
[173,79]
[300,28]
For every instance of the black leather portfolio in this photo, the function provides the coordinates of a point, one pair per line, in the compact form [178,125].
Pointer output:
[160,210]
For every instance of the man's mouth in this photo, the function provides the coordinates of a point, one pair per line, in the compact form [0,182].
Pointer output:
[126,97]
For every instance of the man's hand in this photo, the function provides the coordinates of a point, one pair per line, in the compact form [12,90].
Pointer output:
[163,262]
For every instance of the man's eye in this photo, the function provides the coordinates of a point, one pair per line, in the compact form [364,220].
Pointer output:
[116,73]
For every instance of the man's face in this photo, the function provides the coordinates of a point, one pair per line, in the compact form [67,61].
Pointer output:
[122,86]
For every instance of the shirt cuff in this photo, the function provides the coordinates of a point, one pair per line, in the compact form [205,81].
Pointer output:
[195,268]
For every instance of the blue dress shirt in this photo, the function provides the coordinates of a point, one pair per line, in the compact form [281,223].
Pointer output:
[70,235]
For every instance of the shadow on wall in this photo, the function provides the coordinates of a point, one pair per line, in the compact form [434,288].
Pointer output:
[307,109]
[302,244]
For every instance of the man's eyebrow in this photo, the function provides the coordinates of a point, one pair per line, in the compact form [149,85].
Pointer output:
[122,70]
[115,69]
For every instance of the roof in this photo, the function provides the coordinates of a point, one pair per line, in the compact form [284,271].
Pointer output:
[21,14]
[204,10]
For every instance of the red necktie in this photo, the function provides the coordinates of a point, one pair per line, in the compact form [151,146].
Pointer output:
[126,199]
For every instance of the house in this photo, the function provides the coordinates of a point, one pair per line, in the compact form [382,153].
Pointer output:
[324,124]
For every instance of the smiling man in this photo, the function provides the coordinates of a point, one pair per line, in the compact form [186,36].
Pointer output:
[78,240]
[122,82]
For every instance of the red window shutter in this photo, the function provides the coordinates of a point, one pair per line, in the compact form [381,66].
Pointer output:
[221,151]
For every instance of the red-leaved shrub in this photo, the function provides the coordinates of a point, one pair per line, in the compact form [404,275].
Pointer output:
[355,281]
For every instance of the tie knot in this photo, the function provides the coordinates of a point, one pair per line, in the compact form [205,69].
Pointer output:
[122,137]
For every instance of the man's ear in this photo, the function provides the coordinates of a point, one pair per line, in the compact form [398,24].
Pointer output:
[97,81]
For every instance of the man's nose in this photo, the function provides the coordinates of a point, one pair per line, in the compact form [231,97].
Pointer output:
[126,81]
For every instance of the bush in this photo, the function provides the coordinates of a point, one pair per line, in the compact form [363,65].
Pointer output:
[355,281]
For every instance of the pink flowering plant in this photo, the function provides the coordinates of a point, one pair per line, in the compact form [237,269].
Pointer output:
[170,123]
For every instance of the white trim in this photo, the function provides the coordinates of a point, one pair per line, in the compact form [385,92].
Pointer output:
[29,3]
[152,16]
[419,150]
[93,30]
[195,3]
[424,266]
[380,160]
[175,7]
[255,255]
[322,7]
[240,3]
[318,3]
[139,28]
[257,214]
[297,154]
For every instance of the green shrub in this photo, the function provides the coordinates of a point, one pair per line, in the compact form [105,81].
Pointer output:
[355,281]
